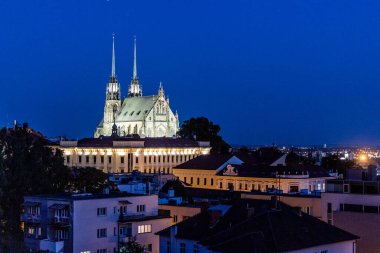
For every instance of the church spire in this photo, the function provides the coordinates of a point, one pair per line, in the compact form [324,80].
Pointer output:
[134,60]
[134,89]
[113,56]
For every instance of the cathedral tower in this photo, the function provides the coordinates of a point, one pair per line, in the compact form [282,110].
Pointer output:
[134,89]
[113,95]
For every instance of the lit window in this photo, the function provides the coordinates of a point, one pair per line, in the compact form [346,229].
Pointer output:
[141,229]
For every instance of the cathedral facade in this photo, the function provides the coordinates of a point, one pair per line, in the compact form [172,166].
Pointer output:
[146,116]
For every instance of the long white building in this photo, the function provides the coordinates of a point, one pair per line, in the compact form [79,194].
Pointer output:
[125,154]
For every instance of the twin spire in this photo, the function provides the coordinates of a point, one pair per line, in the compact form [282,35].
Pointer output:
[134,89]
[113,68]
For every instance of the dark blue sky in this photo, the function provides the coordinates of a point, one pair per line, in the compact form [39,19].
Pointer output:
[290,72]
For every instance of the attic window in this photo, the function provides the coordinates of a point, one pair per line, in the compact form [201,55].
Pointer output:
[131,113]
[146,112]
[138,113]
[126,113]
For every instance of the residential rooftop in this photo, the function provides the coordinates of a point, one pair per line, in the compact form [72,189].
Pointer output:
[85,196]
[258,226]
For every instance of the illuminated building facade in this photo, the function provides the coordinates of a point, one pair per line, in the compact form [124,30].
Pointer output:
[148,116]
[124,154]
[228,172]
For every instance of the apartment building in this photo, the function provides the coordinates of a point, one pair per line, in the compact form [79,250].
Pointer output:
[355,207]
[91,223]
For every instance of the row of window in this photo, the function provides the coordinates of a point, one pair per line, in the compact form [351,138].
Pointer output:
[102,211]
[147,159]
[125,231]
[241,186]
[199,181]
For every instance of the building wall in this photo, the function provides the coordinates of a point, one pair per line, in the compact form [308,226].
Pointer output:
[175,245]
[365,225]
[181,212]
[145,160]
[209,180]
[341,247]
[309,205]
[87,222]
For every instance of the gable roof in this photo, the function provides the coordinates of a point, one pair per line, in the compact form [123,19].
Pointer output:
[266,230]
[135,108]
[205,162]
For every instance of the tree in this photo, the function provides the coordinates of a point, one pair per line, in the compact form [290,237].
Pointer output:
[27,166]
[132,246]
[202,129]
[335,163]
[88,179]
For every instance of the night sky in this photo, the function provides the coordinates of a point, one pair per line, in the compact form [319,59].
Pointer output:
[290,72]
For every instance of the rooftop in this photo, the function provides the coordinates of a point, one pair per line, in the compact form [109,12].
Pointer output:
[255,226]
[205,162]
[133,141]
[84,196]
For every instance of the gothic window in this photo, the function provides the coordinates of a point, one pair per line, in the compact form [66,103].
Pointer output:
[135,129]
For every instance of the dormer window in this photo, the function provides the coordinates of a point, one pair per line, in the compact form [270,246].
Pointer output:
[131,113]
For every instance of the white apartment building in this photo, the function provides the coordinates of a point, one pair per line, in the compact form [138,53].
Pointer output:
[88,223]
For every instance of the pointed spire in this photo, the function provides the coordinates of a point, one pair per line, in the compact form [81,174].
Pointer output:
[134,60]
[161,90]
[113,56]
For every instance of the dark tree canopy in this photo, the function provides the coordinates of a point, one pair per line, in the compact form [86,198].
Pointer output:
[88,179]
[28,166]
[132,246]
[293,159]
[202,129]
[333,162]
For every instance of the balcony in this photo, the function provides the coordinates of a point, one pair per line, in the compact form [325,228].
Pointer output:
[60,221]
[30,218]
[51,246]
[128,217]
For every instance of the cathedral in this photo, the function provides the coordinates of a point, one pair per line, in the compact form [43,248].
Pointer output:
[146,116]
